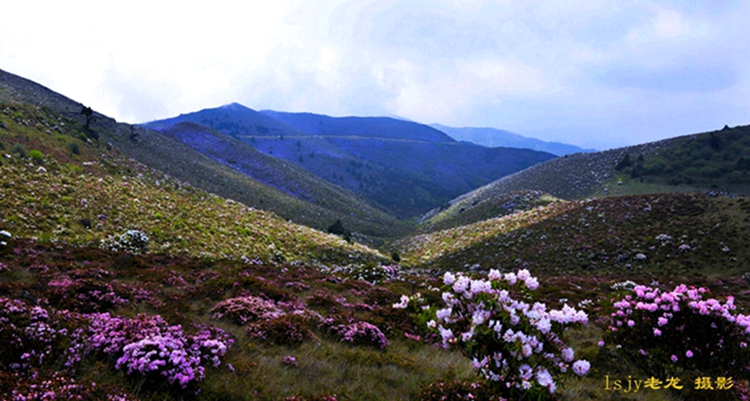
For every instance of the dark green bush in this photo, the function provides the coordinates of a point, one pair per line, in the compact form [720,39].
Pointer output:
[337,228]
[20,150]
[74,148]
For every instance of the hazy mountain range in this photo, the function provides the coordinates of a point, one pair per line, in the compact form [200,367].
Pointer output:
[493,137]
[401,167]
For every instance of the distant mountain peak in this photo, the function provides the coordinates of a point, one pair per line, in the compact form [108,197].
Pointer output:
[234,106]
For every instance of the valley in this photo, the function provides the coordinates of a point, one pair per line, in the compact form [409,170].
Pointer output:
[236,254]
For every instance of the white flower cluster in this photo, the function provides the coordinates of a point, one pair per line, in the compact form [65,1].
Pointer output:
[133,241]
[625,285]
[508,340]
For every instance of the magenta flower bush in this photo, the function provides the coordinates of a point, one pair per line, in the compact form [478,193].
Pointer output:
[515,345]
[148,346]
[242,310]
[144,345]
[669,332]
[27,335]
[356,333]
[84,295]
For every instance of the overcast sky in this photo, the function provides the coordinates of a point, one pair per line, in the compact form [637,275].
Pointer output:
[594,73]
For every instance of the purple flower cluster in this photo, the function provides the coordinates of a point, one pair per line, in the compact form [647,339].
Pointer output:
[147,344]
[246,309]
[357,333]
[509,341]
[61,387]
[27,334]
[680,329]
[290,361]
[84,295]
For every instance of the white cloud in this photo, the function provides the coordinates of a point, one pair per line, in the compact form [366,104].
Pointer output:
[531,65]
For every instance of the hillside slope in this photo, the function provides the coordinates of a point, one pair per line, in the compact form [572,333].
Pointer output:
[59,187]
[179,160]
[712,161]
[287,177]
[665,234]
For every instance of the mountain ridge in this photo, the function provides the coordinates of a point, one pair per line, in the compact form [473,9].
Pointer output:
[375,157]
[493,137]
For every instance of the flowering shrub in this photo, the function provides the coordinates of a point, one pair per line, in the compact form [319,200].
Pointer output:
[83,295]
[148,346]
[356,333]
[516,346]
[668,332]
[242,310]
[290,361]
[133,241]
[58,387]
[144,344]
[457,390]
[292,329]
[26,335]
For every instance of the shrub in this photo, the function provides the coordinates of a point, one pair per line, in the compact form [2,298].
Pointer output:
[83,295]
[457,390]
[670,332]
[292,330]
[36,155]
[74,148]
[356,333]
[517,347]
[242,310]
[20,150]
[28,336]
[133,241]
[337,228]
[147,346]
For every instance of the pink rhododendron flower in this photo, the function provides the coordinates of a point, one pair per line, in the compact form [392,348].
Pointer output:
[581,367]
[531,283]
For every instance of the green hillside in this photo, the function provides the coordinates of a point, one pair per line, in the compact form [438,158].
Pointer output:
[188,165]
[56,181]
[700,163]
[458,213]
[674,234]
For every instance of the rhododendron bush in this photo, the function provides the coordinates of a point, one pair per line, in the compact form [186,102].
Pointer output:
[514,343]
[144,346]
[680,330]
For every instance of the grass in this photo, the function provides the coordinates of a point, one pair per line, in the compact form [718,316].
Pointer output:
[52,204]
[335,369]
[600,237]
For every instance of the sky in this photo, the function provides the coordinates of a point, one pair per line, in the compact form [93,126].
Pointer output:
[594,73]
